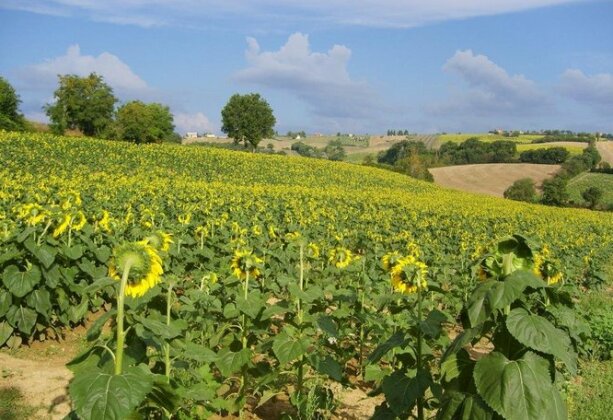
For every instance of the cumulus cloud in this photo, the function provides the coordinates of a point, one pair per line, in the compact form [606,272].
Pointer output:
[596,90]
[321,80]
[115,72]
[490,89]
[198,122]
[386,13]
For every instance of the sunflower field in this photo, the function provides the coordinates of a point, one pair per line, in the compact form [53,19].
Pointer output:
[223,281]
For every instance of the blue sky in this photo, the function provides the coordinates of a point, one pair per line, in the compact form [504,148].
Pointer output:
[359,66]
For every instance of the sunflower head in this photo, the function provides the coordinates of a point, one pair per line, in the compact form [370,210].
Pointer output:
[62,225]
[340,257]
[245,262]
[390,259]
[32,213]
[312,251]
[160,240]
[144,264]
[409,275]
[78,221]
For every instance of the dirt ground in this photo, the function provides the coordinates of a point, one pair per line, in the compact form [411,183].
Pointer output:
[491,178]
[605,148]
[39,373]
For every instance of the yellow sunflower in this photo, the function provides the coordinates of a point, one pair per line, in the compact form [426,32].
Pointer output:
[63,226]
[409,275]
[340,257]
[390,259]
[145,267]
[160,240]
[244,262]
[312,251]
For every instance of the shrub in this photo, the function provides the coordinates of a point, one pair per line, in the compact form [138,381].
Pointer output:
[521,190]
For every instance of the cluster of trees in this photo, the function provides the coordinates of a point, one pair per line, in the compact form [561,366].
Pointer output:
[333,151]
[88,104]
[296,134]
[397,132]
[10,117]
[555,189]
[473,150]
[550,156]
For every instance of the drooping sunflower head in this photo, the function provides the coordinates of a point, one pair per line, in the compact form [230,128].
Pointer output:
[144,265]
[409,275]
[312,251]
[160,240]
[390,259]
[32,213]
[246,262]
[62,226]
[78,221]
[105,221]
[70,199]
[340,257]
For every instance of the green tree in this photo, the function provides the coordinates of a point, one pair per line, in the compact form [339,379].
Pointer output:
[84,103]
[554,191]
[248,119]
[10,117]
[144,123]
[592,195]
[521,190]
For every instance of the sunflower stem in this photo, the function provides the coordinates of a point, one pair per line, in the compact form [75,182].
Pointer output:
[420,399]
[40,238]
[167,344]
[244,339]
[69,235]
[300,318]
[121,334]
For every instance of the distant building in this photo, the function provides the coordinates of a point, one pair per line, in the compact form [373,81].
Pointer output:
[191,135]
[210,136]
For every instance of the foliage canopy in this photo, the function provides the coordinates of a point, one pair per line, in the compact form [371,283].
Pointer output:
[248,119]
[84,103]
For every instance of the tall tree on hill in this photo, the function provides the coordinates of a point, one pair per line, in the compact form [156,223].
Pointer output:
[10,117]
[83,103]
[143,123]
[248,119]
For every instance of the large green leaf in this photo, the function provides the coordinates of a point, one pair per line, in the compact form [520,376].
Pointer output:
[43,253]
[250,306]
[402,392]
[327,366]
[229,362]
[20,283]
[288,349]
[40,299]
[476,307]
[102,396]
[461,406]
[396,340]
[5,332]
[539,334]
[6,299]
[96,328]
[515,389]
[503,293]
[22,318]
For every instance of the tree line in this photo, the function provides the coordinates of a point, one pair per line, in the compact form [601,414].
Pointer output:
[88,104]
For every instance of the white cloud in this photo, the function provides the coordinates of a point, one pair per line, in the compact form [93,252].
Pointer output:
[491,90]
[198,122]
[114,71]
[320,80]
[386,13]
[596,90]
